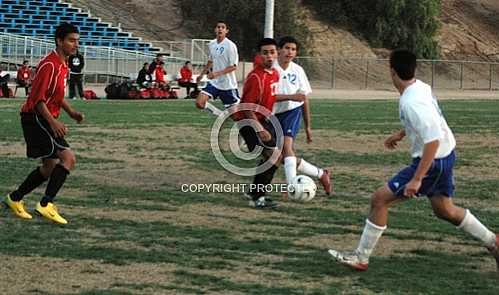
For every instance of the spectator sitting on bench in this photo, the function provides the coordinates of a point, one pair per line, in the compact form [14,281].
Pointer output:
[155,63]
[160,74]
[144,78]
[186,80]
[4,80]
[23,79]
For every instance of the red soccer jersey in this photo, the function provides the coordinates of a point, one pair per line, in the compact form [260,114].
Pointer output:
[23,73]
[260,88]
[185,75]
[160,75]
[48,85]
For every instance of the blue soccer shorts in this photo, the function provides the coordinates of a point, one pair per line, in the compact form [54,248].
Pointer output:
[228,97]
[438,180]
[290,121]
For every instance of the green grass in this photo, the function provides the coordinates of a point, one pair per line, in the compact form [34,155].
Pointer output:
[127,212]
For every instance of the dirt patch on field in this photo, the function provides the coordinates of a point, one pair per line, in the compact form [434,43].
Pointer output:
[347,142]
[78,276]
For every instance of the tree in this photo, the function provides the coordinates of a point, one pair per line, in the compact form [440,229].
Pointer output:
[410,24]
[245,20]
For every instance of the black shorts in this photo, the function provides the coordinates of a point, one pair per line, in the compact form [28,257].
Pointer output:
[40,140]
[252,140]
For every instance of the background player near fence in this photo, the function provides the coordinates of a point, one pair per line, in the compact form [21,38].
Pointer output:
[23,79]
[430,174]
[186,81]
[222,60]
[292,103]
[43,133]
[144,79]
[76,63]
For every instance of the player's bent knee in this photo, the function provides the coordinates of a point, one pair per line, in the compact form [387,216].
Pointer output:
[201,101]
[68,160]
[200,104]
[378,200]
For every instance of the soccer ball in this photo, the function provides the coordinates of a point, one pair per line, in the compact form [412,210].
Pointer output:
[302,189]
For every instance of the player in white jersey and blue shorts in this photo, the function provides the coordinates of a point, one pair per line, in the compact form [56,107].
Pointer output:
[291,105]
[222,61]
[430,173]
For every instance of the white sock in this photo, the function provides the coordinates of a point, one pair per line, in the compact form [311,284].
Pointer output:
[309,169]
[474,227]
[369,239]
[290,168]
[208,107]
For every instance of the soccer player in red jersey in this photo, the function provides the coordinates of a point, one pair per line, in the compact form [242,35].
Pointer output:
[260,89]
[43,133]
[23,78]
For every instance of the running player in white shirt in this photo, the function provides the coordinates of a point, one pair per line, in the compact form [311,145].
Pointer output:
[222,60]
[292,101]
[430,174]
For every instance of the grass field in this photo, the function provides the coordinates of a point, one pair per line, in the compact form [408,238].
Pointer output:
[133,231]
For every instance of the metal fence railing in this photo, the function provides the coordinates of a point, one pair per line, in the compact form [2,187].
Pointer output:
[374,73]
[102,64]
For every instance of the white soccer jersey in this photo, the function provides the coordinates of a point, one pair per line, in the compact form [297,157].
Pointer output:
[223,55]
[423,120]
[293,80]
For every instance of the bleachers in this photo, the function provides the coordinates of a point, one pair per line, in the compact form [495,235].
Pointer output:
[38,18]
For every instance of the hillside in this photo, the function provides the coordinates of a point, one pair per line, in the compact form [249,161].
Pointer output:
[470,28]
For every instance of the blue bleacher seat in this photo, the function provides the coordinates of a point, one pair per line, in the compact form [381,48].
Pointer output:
[38,18]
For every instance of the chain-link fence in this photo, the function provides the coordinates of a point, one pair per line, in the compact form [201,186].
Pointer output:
[375,74]
[106,64]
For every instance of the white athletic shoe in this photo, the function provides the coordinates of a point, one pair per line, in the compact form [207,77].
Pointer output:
[350,259]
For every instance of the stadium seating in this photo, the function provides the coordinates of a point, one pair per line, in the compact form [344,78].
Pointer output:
[38,18]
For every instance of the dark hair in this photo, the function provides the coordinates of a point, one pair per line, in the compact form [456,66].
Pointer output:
[222,22]
[266,41]
[186,63]
[159,55]
[63,30]
[25,62]
[288,39]
[146,63]
[403,62]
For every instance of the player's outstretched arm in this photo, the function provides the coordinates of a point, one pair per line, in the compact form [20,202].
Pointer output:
[296,97]
[227,70]
[391,142]
[77,116]
[204,71]
[307,118]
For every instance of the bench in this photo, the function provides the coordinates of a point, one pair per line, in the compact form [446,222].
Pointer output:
[12,80]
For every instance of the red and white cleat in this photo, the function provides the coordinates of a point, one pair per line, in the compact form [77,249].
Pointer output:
[350,259]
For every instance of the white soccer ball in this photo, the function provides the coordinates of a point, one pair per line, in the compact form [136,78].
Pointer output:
[302,189]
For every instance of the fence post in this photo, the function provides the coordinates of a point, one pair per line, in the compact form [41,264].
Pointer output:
[367,74]
[461,74]
[333,73]
[490,76]
[433,74]
[244,72]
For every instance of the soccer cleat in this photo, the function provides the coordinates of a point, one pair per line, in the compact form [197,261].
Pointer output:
[350,259]
[50,212]
[326,181]
[17,207]
[263,203]
[495,251]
